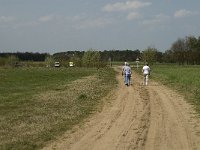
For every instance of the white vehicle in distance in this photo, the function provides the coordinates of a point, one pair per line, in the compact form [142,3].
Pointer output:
[71,64]
[57,64]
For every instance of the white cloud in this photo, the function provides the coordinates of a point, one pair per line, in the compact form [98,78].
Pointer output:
[157,20]
[183,13]
[46,18]
[5,19]
[25,24]
[93,23]
[133,15]
[124,6]
[84,21]
[78,17]
[34,23]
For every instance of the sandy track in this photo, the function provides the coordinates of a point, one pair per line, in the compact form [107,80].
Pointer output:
[138,117]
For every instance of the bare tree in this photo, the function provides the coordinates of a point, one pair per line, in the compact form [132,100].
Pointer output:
[179,50]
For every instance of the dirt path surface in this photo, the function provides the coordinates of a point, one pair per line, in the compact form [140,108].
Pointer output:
[138,117]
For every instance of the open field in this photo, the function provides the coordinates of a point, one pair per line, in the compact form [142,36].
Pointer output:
[185,79]
[38,104]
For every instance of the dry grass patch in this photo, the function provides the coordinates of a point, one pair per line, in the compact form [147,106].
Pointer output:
[53,111]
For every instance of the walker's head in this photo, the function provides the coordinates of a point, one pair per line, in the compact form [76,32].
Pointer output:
[125,63]
[146,63]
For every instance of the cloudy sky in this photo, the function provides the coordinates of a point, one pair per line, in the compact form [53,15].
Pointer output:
[60,25]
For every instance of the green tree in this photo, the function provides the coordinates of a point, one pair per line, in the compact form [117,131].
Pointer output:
[12,61]
[76,60]
[91,58]
[149,55]
[193,50]
[168,56]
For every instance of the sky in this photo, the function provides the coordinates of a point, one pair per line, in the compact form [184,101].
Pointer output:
[51,26]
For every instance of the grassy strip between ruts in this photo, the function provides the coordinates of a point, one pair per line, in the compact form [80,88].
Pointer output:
[36,105]
[184,79]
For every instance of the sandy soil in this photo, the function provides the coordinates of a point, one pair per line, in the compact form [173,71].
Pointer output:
[138,117]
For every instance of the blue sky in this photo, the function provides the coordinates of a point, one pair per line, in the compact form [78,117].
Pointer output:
[60,25]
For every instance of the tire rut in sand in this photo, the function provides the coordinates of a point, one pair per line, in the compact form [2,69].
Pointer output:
[169,128]
[134,136]
[124,125]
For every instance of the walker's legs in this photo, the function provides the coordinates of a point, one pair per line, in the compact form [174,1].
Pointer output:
[145,80]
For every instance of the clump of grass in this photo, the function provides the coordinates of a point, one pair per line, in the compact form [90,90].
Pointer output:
[185,79]
[39,104]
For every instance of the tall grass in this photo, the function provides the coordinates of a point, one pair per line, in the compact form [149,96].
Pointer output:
[38,104]
[185,79]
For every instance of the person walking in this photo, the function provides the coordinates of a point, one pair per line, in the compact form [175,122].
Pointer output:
[127,73]
[146,72]
[123,71]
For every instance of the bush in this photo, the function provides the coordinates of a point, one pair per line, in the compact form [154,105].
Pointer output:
[91,58]
[12,61]
[49,61]
[3,61]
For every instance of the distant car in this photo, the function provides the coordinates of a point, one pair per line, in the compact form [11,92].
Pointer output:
[71,64]
[57,64]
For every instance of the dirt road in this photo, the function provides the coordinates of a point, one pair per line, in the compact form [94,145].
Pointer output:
[138,117]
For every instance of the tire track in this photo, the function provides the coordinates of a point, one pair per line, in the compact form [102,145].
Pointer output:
[169,128]
[128,129]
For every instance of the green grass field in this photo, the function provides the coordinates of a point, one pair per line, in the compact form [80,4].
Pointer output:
[185,79]
[38,104]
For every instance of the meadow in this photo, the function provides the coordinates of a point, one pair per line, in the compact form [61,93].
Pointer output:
[184,79]
[39,104]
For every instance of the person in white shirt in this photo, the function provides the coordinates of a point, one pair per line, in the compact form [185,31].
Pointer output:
[146,72]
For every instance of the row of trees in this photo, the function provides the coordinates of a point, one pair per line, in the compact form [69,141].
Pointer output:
[183,51]
[15,59]
[93,57]
[27,56]
[90,58]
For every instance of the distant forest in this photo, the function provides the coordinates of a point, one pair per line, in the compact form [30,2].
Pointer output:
[106,55]
[183,51]
[27,56]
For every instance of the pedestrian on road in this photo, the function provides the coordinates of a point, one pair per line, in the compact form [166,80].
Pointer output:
[126,71]
[146,72]
[123,71]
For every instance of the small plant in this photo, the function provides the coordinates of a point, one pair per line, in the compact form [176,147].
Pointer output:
[49,61]
[3,61]
[12,61]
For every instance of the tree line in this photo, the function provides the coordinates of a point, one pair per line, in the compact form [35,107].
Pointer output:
[183,51]
[26,56]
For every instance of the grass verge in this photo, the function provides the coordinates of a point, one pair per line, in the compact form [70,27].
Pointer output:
[38,104]
[184,79]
